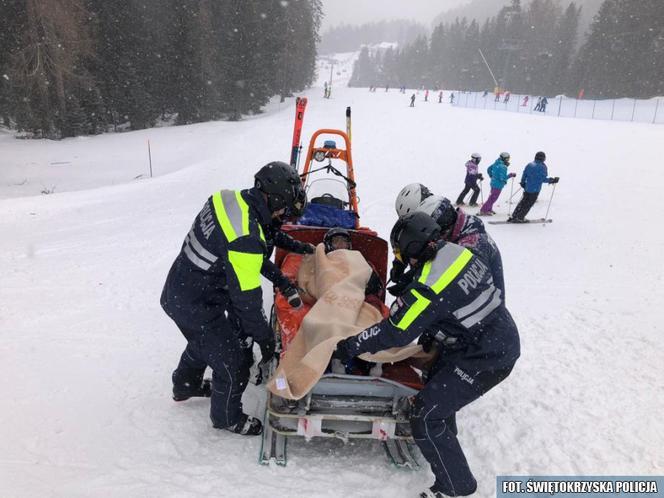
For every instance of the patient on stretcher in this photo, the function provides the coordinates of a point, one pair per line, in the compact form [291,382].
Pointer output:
[338,239]
[341,298]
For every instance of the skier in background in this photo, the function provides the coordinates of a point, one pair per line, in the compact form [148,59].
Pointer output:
[440,97]
[452,98]
[426,96]
[525,101]
[543,104]
[472,175]
[507,97]
[412,100]
[499,176]
[538,105]
[534,175]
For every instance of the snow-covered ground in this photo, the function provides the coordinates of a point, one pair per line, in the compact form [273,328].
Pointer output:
[86,352]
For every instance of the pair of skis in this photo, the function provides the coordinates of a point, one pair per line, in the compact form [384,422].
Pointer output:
[296,147]
[527,222]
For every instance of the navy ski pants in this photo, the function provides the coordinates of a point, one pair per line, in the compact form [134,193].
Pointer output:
[223,350]
[526,202]
[433,421]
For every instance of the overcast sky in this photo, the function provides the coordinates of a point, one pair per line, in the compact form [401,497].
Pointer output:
[363,11]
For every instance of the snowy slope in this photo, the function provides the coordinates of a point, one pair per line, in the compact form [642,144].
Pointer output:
[86,352]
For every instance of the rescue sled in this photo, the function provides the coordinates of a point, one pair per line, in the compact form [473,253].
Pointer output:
[339,406]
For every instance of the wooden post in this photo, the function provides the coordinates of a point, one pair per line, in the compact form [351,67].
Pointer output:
[150,158]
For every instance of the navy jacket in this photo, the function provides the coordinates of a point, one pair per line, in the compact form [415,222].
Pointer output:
[218,269]
[453,293]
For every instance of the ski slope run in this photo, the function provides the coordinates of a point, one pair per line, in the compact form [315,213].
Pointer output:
[87,352]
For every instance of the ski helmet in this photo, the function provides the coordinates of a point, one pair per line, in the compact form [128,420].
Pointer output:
[441,210]
[410,197]
[412,235]
[476,157]
[282,185]
[331,234]
[540,156]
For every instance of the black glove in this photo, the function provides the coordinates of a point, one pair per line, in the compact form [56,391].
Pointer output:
[555,179]
[308,249]
[397,270]
[342,353]
[397,289]
[292,296]
[268,346]
[426,341]
[523,185]
[480,177]
[374,285]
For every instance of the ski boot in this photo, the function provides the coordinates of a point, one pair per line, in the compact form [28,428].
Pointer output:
[183,393]
[246,426]
[473,205]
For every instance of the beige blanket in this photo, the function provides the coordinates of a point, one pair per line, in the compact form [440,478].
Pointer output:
[336,282]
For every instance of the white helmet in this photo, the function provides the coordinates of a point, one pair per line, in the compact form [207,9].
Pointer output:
[410,197]
[475,155]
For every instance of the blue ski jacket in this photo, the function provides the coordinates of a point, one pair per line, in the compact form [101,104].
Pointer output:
[498,173]
[534,175]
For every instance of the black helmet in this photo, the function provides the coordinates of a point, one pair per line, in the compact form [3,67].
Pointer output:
[283,187]
[540,156]
[335,232]
[411,236]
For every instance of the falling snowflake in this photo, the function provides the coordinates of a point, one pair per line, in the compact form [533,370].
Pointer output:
[284,3]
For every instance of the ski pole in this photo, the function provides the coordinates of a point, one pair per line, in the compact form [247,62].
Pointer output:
[481,194]
[546,216]
[516,193]
[509,206]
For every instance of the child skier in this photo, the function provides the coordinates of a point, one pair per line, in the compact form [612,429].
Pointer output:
[498,174]
[472,175]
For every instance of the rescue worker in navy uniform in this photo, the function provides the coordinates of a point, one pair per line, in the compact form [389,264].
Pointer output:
[213,292]
[468,231]
[457,227]
[453,302]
